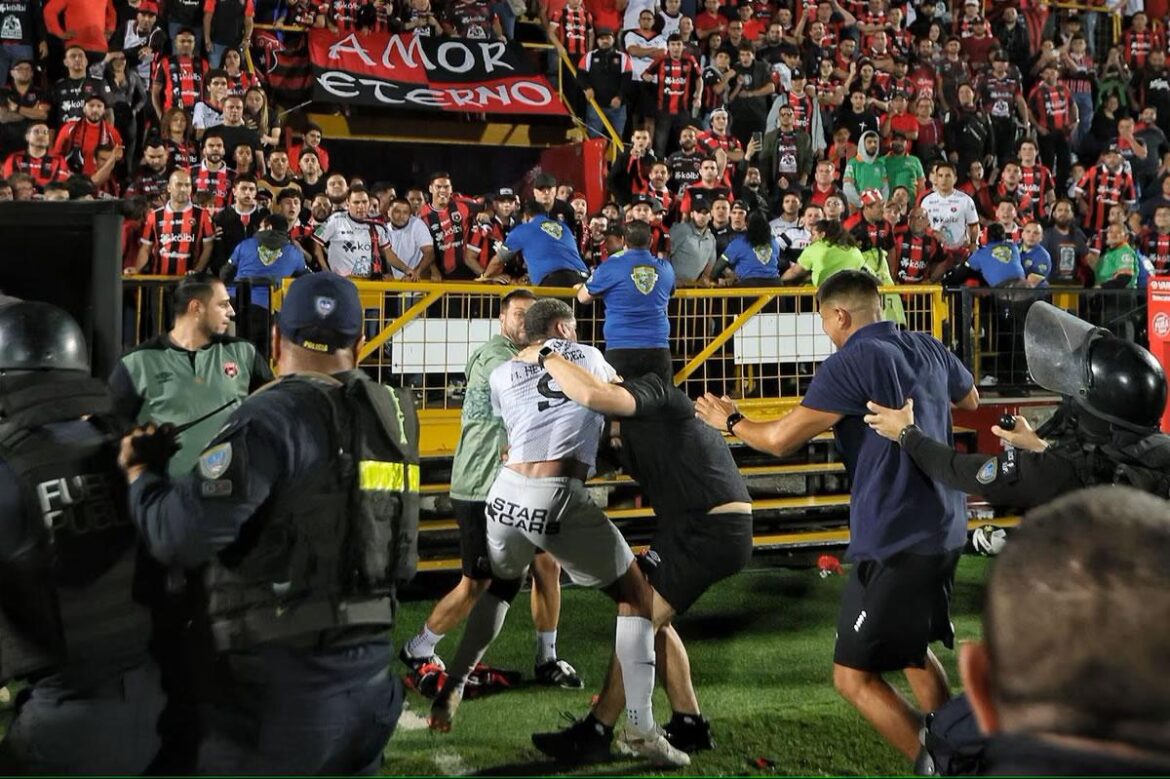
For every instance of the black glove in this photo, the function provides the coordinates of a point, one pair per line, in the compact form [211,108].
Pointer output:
[155,449]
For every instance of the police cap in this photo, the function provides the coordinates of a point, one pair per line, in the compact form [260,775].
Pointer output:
[321,312]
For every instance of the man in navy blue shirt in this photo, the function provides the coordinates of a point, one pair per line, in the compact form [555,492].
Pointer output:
[636,288]
[549,249]
[906,531]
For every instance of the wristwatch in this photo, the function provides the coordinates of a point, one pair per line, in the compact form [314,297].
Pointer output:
[733,419]
[905,432]
[544,352]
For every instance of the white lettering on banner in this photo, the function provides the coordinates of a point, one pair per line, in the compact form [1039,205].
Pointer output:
[454,56]
[408,48]
[350,44]
[466,58]
[349,87]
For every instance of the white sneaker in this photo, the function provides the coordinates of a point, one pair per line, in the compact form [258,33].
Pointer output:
[653,746]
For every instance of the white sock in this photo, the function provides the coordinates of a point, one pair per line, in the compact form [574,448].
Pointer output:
[546,646]
[424,642]
[634,646]
[483,625]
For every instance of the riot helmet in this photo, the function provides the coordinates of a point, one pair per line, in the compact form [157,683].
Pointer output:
[1111,378]
[38,336]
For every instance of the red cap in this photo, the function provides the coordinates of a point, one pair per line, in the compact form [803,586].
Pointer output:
[148,7]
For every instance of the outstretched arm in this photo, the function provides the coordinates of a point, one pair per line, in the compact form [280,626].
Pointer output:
[583,387]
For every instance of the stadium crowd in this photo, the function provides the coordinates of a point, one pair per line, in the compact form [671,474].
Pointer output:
[914,126]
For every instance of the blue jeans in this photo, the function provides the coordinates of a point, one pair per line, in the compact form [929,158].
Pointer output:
[1084,104]
[173,31]
[507,18]
[616,117]
[10,54]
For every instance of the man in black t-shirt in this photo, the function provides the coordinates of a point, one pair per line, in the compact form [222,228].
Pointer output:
[704,535]
[70,93]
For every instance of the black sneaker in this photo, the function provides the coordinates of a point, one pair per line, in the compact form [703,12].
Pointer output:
[584,741]
[558,673]
[689,732]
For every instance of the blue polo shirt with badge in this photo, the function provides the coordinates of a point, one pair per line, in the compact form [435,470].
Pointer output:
[548,245]
[998,262]
[894,506]
[636,287]
[752,262]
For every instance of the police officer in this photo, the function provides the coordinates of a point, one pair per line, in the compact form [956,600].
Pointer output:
[636,287]
[68,621]
[304,508]
[1114,393]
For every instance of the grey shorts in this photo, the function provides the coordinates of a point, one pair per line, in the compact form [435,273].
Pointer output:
[554,514]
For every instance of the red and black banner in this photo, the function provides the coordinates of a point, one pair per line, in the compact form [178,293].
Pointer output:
[436,74]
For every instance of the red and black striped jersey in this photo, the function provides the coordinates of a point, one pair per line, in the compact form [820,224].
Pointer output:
[342,14]
[1025,205]
[925,81]
[868,234]
[241,83]
[449,230]
[183,155]
[217,182]
[1101,188]
[1036,183]
[472,19]
[1079,78]
[802,109]
[176,238]
[44,170]
[677,80]
[709,194]
[485,238]
[709,141]
[1137,46]
[181,79]
[573,28]
[1052,106]
[913,255]
[1155,247]
[150,184]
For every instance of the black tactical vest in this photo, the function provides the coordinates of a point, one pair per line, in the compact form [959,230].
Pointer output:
[324,556]
[65,596]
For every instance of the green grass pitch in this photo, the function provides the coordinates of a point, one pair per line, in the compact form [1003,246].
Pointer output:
[761,648]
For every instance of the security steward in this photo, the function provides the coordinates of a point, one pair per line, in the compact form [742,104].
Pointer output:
[195,373]
[1114,392]
[304,508]
[69,624]
[636,287]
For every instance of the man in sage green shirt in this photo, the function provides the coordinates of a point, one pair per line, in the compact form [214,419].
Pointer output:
[477,460]
[190,371]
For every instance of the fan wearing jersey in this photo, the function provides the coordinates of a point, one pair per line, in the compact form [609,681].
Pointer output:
[953,216]
[538,501]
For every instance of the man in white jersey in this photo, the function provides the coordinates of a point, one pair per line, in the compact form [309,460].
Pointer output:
[952,213]
[538,501]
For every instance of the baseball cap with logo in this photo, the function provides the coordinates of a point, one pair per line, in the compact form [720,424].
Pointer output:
[321,312]
[871,196]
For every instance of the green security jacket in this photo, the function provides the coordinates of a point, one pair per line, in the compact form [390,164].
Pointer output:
[161,382]
[477,457]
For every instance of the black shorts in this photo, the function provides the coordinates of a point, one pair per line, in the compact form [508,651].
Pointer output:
[473,549]
[691,552]
[893,609]
[632,363]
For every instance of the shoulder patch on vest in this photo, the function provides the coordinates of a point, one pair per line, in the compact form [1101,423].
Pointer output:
[214,462]
[987,472]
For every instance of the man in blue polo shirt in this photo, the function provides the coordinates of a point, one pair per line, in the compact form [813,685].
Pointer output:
[906,532]
[636,288]
[549,249]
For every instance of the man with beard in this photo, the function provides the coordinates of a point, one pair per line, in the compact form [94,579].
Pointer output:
[279,175]
[349,244]
[904,169]
[917,255]
[78,139]
[657,189]
[337,188]
[150,181]
[1055,114]
[709,185]
[787,153]
[684,163]
[409,239]
[794,240]
[868,225]
[719,143]
[866,171]
[1066,244]
[605,76]
[36,160]
[752,191]
[789,214]
[311,182]
[692,244]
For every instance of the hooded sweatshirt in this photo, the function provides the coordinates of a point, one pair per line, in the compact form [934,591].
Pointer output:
[865,171]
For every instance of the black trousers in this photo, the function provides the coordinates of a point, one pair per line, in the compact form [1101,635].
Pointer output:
[1056,153]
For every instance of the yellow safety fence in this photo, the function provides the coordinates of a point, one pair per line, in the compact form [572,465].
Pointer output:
[760,346]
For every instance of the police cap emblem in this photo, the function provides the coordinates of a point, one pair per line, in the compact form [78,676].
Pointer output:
[324,305]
